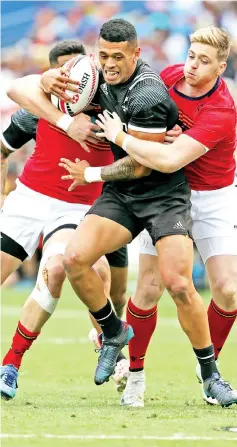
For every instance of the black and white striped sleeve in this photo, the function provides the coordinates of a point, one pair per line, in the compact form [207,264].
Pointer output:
[21,130]
[148,108]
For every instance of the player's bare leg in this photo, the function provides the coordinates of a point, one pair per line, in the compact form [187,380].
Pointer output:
[118,288]
[102,268]
[39,306]
[92,239]
[105,236]
[142,316]
[175,262]
[9,264]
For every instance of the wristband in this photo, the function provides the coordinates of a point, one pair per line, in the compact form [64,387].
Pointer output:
[122,140]
[125,142]
[64,122]
[92,175]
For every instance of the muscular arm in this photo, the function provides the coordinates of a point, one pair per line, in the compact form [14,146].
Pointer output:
[30,96]
[121,170]
[128,168]
[157,156]
[124,169]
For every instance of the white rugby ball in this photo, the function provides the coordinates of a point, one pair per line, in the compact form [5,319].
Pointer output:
[84,70]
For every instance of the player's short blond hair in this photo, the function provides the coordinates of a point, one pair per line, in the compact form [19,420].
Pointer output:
[216,37]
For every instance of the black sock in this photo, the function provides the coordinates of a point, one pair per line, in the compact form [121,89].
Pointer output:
[109,322]
[206,359]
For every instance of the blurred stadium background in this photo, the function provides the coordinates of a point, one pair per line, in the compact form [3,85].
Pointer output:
[30,28]
[57,402]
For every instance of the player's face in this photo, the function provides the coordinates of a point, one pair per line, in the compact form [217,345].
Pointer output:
[202,65]
[63,59]
[118,60]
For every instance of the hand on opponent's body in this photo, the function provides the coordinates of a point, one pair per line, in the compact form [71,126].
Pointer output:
[112,125]
[76,171]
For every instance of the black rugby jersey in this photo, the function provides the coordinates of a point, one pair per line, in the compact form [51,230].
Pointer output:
[143,104]
[21,130]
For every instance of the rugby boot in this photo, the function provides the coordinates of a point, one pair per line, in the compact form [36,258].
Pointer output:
[220,390]
[8,381]
[109,352]
[133,395]
[209,400]
[121,370]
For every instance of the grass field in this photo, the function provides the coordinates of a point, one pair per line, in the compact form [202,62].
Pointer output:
[57,403]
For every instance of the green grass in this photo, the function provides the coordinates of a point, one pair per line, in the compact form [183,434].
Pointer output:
[57,395]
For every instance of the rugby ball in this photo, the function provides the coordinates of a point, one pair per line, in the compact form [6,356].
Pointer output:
[84,70]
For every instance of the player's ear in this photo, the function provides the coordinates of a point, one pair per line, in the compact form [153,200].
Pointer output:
[222,68]
[137,53]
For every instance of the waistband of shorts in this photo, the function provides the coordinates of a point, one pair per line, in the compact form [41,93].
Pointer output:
[214,192]
[25,190]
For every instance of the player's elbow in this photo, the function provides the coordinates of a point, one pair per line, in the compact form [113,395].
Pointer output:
[168,165]
[12,91]
[142,171]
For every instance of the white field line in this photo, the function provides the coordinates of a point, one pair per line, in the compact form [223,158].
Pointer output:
[175,437]
[12,311]
[57,341]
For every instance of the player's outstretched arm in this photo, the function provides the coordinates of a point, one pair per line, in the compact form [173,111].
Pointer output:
[153,155]
[27,92]
[82,173]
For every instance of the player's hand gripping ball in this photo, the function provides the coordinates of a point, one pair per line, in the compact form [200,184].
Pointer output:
[82,69]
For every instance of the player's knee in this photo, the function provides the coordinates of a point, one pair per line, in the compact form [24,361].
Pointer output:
[55,273]
[148,292]
[179,288]
[226,291]
[73,262]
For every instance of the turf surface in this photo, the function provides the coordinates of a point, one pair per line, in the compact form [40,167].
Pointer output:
[57,403]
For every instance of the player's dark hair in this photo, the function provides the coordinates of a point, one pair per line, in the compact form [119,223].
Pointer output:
[118,30]
[65,48]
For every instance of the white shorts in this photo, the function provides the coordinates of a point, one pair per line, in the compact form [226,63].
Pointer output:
[26,215]
[214,215]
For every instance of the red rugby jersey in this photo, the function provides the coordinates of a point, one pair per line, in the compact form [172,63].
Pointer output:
[42,173]
[211,120]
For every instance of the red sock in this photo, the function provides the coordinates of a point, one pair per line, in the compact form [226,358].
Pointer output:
[21,342]
[143,323]
[220,323]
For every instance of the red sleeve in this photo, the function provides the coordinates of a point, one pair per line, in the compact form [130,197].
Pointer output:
[212,125]
[170,75]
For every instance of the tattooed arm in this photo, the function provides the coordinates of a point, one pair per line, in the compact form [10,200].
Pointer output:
[124,169]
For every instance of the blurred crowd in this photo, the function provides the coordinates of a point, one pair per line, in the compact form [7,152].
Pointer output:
[163,27]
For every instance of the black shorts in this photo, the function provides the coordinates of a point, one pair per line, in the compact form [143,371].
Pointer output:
[118,258]
[165,212]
